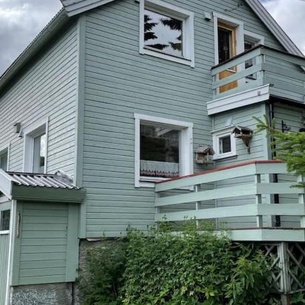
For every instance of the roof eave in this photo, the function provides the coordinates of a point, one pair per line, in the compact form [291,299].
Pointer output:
[77,7]
[59,20]
[274,27]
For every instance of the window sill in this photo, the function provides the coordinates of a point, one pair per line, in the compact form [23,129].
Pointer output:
[180,60]
[149,182]
[226,156]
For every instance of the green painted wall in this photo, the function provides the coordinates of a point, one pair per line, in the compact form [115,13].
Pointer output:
[4,248]
[46,247]
[120,82]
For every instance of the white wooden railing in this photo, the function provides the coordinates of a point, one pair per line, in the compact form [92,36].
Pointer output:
[255,186]
[257,67]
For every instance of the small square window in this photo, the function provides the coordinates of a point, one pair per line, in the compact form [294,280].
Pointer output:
[163,149]
[166,31]
[224,144]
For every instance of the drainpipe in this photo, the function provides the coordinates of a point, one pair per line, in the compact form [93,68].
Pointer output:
[276,197]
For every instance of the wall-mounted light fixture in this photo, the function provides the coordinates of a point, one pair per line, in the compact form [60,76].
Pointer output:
[245,134]
[17,127]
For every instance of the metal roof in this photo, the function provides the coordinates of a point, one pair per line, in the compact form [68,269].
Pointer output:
[42,180]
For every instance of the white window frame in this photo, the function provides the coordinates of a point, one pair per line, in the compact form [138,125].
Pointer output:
[29,134]
[232,22]
[7,150]
[216,137]
[185,146]
[185,16]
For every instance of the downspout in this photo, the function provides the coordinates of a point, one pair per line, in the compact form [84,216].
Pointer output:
[275,179]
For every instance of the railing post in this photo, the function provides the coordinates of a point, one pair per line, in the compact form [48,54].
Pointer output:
[198,203]
[300,179]
[258,200]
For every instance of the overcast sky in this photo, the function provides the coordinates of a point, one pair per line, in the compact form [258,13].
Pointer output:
[22,20]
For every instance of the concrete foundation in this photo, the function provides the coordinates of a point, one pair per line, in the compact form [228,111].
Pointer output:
[48,294]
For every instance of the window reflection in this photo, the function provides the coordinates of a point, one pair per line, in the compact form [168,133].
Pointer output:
[162,33]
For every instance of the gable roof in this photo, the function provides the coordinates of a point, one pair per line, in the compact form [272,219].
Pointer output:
[274,27]
[75,7]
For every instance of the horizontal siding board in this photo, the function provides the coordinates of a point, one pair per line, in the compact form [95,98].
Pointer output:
[37,95]
[120,82]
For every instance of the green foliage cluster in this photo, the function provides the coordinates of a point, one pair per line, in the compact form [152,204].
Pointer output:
[188,268]
[289,146]
[102,276]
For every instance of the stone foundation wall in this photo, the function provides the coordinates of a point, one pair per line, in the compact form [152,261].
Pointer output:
[45,294]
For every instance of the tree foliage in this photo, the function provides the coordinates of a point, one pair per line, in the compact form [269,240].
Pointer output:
[289,146]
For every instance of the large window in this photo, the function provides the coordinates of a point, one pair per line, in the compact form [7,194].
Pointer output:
[35,154]
[166,31]
[163,149]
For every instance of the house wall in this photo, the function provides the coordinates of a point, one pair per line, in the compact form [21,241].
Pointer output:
[120,82]
[293,117]
[47,89]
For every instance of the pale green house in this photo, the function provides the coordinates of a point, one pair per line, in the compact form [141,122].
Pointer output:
[111,100]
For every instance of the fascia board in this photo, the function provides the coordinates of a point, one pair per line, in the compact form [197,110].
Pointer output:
[273,26]
[73,7]
[41,39]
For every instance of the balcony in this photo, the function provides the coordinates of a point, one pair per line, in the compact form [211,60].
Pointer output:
[254,76]
[243,199]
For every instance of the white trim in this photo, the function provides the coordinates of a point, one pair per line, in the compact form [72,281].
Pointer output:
[39,127]
[275,29]
[185,145]
[237,100]
[217,134]
[185,16]
[11,251]
[239,25]
[259,39]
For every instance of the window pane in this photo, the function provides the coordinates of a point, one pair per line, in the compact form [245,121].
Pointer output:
[39,156]
[225,44]
[3,160]
[225,144]
[5,220]
[162,33]
[159,151]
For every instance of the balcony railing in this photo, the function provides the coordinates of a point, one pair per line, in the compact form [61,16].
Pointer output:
[244,193]
[261,66]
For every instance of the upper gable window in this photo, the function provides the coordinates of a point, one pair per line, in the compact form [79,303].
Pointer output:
[166,31]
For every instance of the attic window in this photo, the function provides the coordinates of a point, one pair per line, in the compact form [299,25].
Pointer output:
[166,31]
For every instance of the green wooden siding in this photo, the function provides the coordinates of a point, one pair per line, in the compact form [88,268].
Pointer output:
[46,248]
[120,82]
[4,249]
[46,89]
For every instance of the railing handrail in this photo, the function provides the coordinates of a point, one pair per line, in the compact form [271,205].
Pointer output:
[208,176]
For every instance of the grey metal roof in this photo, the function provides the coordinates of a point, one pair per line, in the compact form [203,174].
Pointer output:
[42,180]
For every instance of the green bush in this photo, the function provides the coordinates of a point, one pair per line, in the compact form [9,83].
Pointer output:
[186,268]
[102,277]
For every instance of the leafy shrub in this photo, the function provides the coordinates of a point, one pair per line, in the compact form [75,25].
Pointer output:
[186,268]
[102,277]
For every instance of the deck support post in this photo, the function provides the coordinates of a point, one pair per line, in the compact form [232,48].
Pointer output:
[284,265]
[258,199]
[300,179]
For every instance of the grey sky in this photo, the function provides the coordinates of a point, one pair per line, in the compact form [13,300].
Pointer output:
[22,20]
